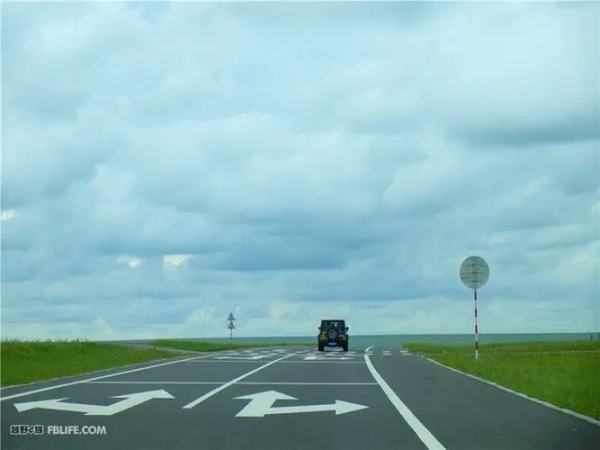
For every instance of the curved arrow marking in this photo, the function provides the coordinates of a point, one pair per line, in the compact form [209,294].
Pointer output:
[129,401]
[261,404]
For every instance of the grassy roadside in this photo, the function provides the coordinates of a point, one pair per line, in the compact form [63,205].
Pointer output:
[566,374]
[28,361]
[199,346]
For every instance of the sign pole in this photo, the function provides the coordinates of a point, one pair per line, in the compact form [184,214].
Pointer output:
[476,328]
[474,273]
[230,325]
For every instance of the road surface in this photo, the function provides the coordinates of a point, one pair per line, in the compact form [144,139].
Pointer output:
[283,398]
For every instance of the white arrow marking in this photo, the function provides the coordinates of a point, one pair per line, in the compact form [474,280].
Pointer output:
[130,400]
[261,404]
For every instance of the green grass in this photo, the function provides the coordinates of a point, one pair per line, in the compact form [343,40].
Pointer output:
[566,374]
[28,361]
[199,346]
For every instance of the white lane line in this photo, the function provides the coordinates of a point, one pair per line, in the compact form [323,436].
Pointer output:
[155,382]
[318,358]
[230,360]
[520,394]
[322,361]
[229,383]
[387,353]
[259,383]
[49,388]
[311,383]
[238,358]
[423,433]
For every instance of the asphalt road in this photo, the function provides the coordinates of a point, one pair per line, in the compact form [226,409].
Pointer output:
[275,399]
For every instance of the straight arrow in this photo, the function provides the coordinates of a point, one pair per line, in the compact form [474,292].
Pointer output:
[129,401]
[339,407]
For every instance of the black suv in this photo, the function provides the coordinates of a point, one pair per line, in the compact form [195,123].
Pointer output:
[333,333]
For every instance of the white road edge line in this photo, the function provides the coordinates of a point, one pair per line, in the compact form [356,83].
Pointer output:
[423,433]
[86,380]
[520,394]
[229,383]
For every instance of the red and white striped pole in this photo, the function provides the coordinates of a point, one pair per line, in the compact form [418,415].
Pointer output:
[476,328]
[474,273]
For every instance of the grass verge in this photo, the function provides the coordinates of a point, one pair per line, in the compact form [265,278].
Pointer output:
[566,374]
[199,346]
[28,361]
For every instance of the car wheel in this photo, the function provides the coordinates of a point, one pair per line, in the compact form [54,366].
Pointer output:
[320,348]
[346,347]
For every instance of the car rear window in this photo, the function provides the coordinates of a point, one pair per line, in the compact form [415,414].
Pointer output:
[337,324]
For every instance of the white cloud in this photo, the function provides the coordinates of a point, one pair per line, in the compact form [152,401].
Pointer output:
[8,215]
[130,261]
[282,311]
[175,261]
[342,168]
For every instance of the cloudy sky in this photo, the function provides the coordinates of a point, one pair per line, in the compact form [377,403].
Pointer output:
[164,164]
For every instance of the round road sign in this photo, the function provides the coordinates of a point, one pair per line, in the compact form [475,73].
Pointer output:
[474,272]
